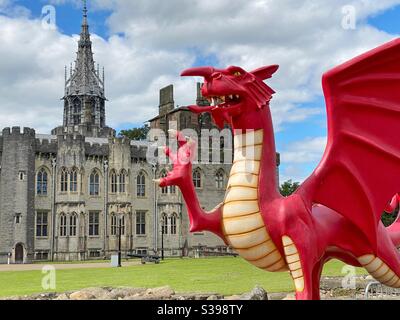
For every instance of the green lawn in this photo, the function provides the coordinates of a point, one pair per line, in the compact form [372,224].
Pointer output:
[220,275]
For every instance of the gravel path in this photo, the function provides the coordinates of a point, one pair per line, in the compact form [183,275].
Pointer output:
[33,267]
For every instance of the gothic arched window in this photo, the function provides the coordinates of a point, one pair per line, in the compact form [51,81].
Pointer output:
[122,181]
[94,183]
[222,150]
[117,225]
[63,225]
[114,225]
[73,221]
[73,180]
[164,224]
[41,187]
[114,182]
[165,189]
[174,218]
[220,179]
[76,111]
[197,178]
[141,185]
[122,225]
[64,180]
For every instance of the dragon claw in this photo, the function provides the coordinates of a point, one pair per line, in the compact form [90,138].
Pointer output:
[163,182]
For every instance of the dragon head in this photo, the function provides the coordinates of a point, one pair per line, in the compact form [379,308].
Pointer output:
[233,91]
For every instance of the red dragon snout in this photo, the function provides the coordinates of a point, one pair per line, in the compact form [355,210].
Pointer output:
[204,72]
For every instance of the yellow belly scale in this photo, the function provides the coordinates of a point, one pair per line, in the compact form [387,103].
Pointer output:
[243,224]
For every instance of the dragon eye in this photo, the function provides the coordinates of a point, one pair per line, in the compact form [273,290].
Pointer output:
[237,74]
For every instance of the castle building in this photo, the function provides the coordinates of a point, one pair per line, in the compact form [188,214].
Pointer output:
[73,194]
[68,195]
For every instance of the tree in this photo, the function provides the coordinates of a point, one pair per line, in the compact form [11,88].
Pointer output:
[389,218]
[136,133]
[288,188]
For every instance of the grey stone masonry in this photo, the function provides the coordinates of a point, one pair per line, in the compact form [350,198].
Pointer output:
[17,193]
[166,100]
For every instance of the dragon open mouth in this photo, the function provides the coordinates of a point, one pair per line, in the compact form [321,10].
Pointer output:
[224,101]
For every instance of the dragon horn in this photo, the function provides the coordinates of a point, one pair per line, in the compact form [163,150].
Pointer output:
[204,72]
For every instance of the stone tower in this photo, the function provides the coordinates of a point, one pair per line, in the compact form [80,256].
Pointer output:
[84,98]
[167,103]
[17,195]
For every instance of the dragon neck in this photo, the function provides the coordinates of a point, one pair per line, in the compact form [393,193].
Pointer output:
[260,119]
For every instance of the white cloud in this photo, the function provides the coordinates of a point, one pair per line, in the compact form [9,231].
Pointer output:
[292,172]
[9,8]
[305,151]
[298,159]
[32,75]
[304,37]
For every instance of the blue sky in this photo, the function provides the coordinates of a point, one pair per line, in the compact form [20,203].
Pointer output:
[387,21]
[69,17]
[128,26]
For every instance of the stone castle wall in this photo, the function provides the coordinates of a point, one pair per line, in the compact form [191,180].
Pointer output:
[30,153]
[17,192]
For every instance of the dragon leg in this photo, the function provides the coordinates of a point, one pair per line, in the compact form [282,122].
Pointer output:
[303,270]
[316,279]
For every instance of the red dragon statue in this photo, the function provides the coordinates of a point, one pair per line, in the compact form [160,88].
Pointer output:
[336,212]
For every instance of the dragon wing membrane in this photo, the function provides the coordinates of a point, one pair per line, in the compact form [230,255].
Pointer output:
[360,169]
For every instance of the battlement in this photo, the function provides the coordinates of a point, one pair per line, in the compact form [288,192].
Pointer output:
[96,149]
[70,138]
[84,130]
[138,152]
[16,131]
[119,141]
[46,144]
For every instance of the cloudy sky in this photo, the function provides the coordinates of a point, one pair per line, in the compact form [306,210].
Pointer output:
[144,44]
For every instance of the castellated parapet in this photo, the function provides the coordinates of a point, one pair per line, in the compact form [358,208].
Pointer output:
[17,131]
[71,150]
[46,146]
[96,149]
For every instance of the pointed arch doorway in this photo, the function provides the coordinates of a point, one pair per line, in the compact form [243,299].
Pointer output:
[19,253]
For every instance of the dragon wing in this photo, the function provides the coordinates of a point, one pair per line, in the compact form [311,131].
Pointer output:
[360,169]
